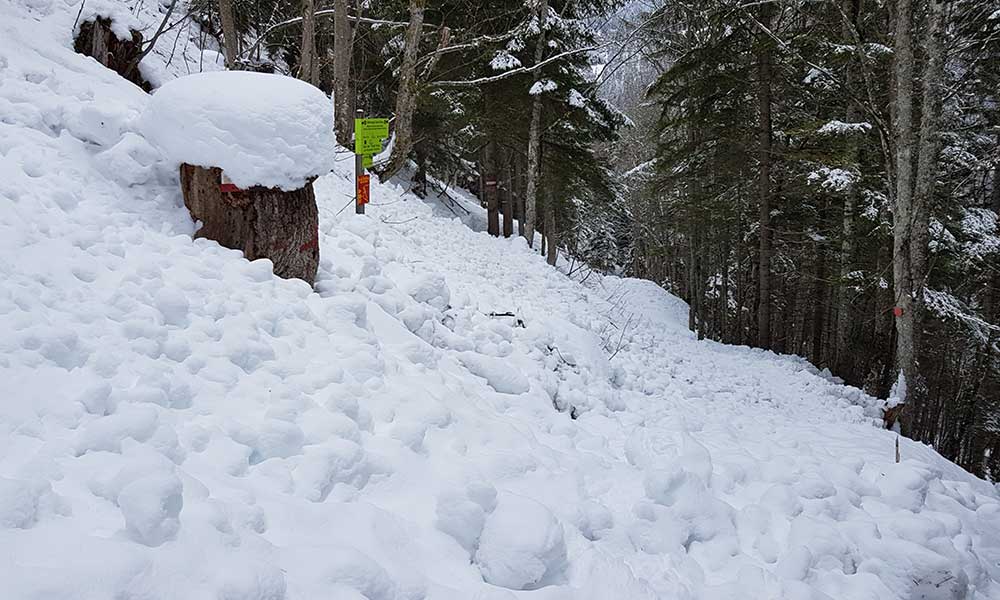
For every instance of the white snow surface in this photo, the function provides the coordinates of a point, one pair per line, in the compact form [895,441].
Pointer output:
[175,422]
[259,128]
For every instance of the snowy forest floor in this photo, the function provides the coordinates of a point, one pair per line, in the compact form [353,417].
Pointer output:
[175,422]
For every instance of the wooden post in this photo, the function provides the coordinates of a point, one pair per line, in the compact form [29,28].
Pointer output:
[359,170]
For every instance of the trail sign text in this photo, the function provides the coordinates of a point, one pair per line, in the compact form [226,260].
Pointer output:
[368,135]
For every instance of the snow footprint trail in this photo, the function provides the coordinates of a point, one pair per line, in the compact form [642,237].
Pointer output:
[731,472]
[177,423]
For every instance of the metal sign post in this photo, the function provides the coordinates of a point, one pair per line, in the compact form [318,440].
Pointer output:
[368,136]
[359,166]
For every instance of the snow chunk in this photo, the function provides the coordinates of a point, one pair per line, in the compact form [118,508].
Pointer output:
[261,129]
[20,502]
[499,374]
[841,128]
[522,546]
[504,61]
[431,289]
[151,506]
[463,516]
[833,179]
[545,85]
[576,99]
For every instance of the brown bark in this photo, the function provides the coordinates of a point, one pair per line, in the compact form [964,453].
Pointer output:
[230,37]
[262,222]
[406,97]
[343,101]
[309,63]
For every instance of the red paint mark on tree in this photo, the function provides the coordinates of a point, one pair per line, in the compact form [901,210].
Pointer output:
[313,243]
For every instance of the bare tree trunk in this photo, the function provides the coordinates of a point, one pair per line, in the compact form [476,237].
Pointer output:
[913,192]
[550,230]
[691,297]
[819,306]
[490,188]
[993,294]
[343,102]
[534,135]
[508,199]
[902,211]
[420,175]
[230,39]
[519,203]
[309,62]
[764,183]
[842,361]
[926,177]
[724,291]
[406,97]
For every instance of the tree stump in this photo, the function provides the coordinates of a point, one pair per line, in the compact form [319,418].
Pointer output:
[262,222]
[121,56]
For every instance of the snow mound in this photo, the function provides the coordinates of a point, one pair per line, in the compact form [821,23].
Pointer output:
[522,545]
[261,129]
[497,373]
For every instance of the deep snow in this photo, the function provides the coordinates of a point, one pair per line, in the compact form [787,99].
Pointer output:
[259,128]
[177,423]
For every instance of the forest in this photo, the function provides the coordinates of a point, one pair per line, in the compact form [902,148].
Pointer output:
[817,178]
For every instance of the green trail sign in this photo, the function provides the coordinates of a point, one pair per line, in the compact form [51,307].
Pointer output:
[368,135]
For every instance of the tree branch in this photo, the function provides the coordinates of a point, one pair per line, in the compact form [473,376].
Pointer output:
[513,72]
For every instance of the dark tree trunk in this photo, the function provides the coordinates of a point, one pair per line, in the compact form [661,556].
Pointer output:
[262,222]
[819,306]
[420,174]
[490,185]
[508,199]
[551,234]
[764,183]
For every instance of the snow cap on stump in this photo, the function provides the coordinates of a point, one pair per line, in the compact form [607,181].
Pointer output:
[260,129]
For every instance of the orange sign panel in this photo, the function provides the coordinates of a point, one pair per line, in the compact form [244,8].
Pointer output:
[364,189]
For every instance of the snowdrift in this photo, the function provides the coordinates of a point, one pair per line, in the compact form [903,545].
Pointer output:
[176,422]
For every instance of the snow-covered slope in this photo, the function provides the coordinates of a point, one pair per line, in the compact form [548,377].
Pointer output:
[177,423]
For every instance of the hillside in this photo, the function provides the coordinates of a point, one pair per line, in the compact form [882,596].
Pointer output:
[178,423]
